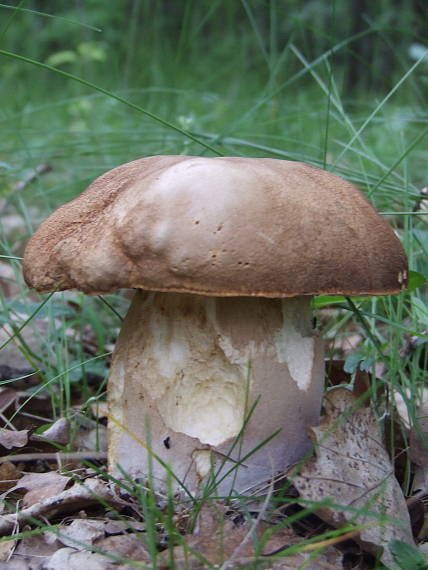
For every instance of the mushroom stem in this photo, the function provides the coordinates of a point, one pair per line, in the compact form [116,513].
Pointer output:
[189,371]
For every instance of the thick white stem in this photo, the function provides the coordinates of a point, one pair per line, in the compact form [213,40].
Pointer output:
[190,370]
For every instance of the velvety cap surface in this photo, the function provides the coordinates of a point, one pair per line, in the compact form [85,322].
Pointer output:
[217,226]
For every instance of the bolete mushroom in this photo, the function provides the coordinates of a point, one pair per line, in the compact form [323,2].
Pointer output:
[217,368]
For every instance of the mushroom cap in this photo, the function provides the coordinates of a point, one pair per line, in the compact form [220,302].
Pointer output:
[225,226]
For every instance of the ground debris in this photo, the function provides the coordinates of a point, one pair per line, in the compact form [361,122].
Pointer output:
[9,474]
[69,546]
[82,534]
[6,550]
[353,472]
[41,486]
[13,438]
[34,551]
[418,445]
[218,541]
[80,495]
[58,432]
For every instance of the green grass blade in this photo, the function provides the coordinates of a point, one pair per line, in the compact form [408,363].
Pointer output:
[112,95]
[380,106]
[53,16]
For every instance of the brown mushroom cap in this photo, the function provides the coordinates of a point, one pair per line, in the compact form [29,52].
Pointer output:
[224,226]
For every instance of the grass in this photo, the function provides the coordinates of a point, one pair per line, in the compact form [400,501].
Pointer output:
[280,92]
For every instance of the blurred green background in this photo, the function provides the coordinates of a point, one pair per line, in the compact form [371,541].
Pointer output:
[340,84]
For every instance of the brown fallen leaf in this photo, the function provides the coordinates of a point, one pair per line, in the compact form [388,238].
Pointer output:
[82,531]
[94,531]
[89,532]
[346,344]
[99,409]
[353,469]
[128,546]
[35,550]
[14,564]
[419,444]
[116,527]
[10,438]
[58,432]
[41,486]
[38,552]
[6,549]
[78,497]
[9,475]
[217,540]
[92,439]
[70,559]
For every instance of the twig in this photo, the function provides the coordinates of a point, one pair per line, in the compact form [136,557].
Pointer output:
[58,456]
[41,169]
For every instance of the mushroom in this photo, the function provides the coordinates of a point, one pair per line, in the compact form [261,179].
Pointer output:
[217,370]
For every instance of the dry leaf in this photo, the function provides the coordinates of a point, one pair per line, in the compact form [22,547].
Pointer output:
[14,564]
[98,533]
[81,530]
[41,486]
[114,527]
[35,550]
[79,496]
[6,549]
[58,432]
[92,439]
[405,399]
[220,542]
[418,427]
[353,469]
[99,409]
[70,559]
[128,546]
[346,344]
[9,474]
[10,438]
[419,443]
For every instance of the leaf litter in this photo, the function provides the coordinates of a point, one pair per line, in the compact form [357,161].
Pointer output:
[353,472]
[10,438]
